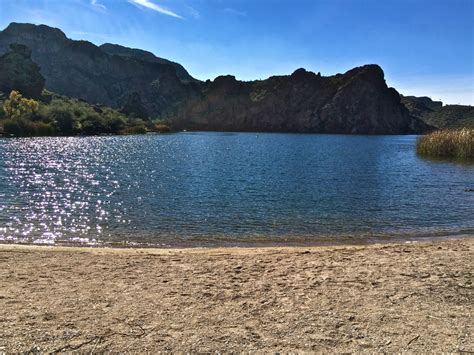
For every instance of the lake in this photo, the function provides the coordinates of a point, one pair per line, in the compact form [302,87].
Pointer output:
[206,189]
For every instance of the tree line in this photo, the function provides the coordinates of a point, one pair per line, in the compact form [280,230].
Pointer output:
[57,115]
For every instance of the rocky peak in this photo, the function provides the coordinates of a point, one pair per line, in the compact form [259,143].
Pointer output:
[303,74]
[371,73]
[31,30]
[224,80]
[139,54]
[299,72]
[82,70]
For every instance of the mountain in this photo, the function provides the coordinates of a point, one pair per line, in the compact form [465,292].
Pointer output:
[82,70]
[437,115]
[357,102]
[139,83]
[115,49]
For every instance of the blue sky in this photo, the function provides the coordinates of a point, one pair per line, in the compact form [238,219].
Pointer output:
[426,47]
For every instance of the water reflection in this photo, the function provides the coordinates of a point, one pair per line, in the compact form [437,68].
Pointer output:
[224,188]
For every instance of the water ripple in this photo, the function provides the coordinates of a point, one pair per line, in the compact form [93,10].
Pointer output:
[210,188]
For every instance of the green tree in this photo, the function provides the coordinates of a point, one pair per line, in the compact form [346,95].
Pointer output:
[92,124]
[63,120]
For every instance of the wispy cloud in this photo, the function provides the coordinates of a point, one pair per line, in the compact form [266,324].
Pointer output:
[193,12]
[234,12]
[83,34]
[152,6]
[96,4]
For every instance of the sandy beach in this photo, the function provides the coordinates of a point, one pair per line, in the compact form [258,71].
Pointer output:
[385,298]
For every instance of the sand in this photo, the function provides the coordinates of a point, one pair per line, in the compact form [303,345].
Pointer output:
[407,297]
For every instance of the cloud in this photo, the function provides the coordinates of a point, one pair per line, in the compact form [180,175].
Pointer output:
[152,6]
[96,4]
[234,12]
[101,36]
[193,12]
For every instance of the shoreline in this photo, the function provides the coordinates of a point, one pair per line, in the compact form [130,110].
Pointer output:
[251,246]
[223,244]
[381,297]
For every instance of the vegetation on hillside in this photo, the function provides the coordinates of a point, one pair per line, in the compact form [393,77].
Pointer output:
[455,143]
[438,116]
[30,111]
[451,116]
[56,115]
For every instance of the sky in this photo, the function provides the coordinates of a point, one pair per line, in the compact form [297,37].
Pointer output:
[426,47]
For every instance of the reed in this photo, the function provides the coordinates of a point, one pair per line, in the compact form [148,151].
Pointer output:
[455,143]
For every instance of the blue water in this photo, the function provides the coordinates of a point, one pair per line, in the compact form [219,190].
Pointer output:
[194,189]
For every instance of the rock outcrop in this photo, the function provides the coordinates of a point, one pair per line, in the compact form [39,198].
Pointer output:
[138,82]
[19,72]
[437,115]
[82,70]
[357,102]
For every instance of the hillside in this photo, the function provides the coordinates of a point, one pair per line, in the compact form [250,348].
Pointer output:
[82,70]
[26,109]
[437,115]
[141,84]
[357,102]
[115,49]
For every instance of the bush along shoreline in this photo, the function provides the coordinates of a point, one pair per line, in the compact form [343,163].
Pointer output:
[55,115]
[447,143]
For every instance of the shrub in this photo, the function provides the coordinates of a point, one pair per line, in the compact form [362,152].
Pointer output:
[161,128]
[92,124]
[114,122]
[138,129]
[19,127]
[44,129]
[63,120]
[456,143]
[59,115]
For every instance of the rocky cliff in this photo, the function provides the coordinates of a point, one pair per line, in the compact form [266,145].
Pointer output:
[357,102]
[19,72]
[82,70]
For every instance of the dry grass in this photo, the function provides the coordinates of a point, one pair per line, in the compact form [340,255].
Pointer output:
[456,143]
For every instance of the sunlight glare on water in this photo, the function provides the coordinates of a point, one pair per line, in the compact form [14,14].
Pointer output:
[216,188]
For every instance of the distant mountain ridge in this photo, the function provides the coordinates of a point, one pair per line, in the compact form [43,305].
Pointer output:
[140,54]
[356,102]
[437,115]
[83,70]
